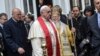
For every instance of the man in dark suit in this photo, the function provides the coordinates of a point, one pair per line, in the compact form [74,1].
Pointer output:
[16,36]
[94,30]
[3,19]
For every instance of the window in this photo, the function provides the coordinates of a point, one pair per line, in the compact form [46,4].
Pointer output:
[79,4]
[76,3]
[87,3]
[31,6]
[28,6]
[25,6]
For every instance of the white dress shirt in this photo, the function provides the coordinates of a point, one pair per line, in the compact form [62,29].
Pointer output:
[98,15]
[1,25]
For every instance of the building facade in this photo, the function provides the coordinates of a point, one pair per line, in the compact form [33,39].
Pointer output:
[29,6]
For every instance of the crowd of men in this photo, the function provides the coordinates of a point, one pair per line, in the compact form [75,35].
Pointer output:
[52,33]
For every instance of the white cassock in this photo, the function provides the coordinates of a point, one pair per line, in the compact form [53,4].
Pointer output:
[35,35]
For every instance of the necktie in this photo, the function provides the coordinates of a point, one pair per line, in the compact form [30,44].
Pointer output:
[18,24]
[27,27]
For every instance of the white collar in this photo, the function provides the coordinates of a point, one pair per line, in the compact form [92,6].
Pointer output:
[14,19]
[1,25]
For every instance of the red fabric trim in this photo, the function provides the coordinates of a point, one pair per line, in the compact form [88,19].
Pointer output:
[47,35]
[57,42]
[48,39]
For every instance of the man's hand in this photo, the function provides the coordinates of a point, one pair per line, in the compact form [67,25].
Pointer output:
[73,30]
[21,50]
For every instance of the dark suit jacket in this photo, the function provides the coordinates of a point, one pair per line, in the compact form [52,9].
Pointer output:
[1,39]
[16,36]
[63,18]
[94,34]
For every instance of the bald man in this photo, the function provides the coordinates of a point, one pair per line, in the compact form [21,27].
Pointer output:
[16,36]
[94,30]
[43,35]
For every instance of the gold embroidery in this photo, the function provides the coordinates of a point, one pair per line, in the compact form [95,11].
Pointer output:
[64,42]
